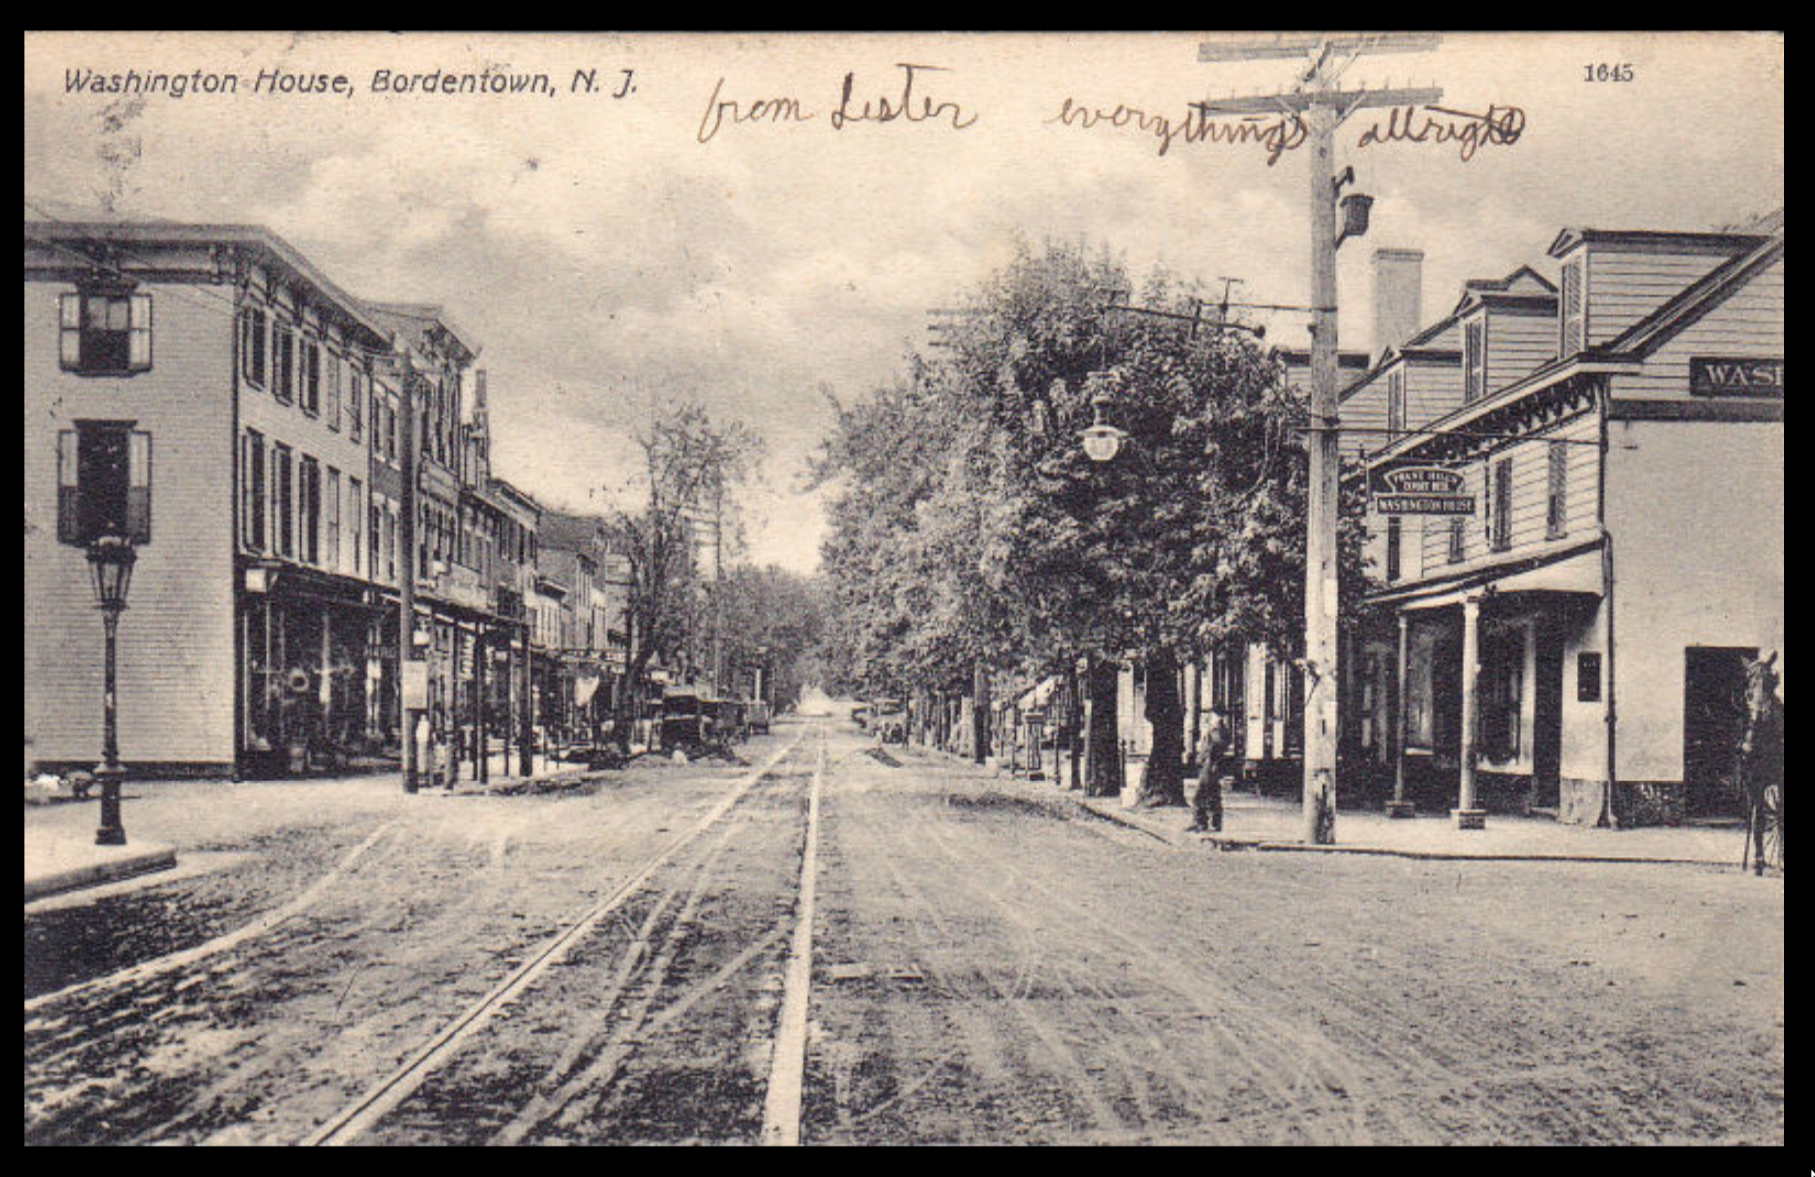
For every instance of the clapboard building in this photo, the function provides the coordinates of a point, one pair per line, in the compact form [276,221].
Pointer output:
[208,392]
[1570,642]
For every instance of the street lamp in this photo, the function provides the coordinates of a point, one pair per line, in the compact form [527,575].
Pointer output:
[110,561]
[1102,441]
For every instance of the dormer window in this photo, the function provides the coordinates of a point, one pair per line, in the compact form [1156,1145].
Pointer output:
[1572,313]
[104,332]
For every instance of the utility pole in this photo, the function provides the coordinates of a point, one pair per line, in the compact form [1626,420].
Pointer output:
[407,657]
[718,591]
[1320,106]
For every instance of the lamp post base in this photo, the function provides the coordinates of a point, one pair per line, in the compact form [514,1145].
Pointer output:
[1470,819]
[112,832]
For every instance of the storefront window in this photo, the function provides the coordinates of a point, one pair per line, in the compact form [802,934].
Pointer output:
[1502,680]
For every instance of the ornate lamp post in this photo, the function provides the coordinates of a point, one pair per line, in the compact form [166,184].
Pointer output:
[110,561]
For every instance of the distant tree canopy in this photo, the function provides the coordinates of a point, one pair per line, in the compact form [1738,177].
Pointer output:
[968,524]
[773,619]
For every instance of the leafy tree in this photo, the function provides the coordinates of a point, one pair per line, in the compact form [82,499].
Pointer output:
[688,461]
[973,526]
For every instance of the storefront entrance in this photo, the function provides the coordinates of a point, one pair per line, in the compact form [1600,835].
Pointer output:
[1714,719]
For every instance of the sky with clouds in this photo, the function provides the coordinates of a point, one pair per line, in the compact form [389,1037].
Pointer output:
[610,262]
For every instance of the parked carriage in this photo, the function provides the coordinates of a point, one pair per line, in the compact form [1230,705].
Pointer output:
[687,719]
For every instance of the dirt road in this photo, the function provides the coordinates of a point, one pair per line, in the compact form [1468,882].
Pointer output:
[990,964]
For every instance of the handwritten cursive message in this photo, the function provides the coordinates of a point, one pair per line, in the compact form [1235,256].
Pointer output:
[1501,126]
[1287,131]
[903,105]
[1275,134]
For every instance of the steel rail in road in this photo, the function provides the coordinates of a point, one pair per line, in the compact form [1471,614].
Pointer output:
[787,1071]
[384,1096]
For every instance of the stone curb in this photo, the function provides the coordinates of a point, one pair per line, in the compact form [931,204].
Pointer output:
[1227,842]
[146,861]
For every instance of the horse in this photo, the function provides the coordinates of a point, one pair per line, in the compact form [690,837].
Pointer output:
[1761,763]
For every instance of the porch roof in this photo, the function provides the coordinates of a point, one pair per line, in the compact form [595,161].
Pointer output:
[1574,571]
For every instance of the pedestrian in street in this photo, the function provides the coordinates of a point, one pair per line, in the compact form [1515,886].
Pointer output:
[1207,806]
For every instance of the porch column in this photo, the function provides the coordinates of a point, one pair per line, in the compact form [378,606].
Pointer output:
[1399,806]
[324,691]
[509,684]
[1467,816]
[482,655]
[527,718]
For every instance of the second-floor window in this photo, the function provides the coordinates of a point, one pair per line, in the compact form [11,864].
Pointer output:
[283,502]
[334,559]
[103,482]
[355,524]
[375,539]
[1458,539]
[252,499]
[1556,511]
[1474,360]
[355,403]
[104,333]
[310,495]
[1393,542]
[1500,521]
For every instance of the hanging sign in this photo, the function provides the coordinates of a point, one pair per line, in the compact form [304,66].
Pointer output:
[1419,490]
[415,683]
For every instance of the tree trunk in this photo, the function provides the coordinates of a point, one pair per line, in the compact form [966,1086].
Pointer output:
[629,700]
[1163,782]
[980,713]
[1103,768]
[1074,725]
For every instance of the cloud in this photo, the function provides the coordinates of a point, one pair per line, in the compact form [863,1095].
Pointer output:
[608,261]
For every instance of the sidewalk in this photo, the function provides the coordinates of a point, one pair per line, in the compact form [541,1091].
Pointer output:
[1276,824]
[162,817]
[56,861]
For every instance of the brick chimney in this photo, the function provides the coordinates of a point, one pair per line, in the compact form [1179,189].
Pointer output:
[1398,297]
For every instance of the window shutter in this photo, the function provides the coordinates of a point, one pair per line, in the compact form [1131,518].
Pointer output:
[138,487]
[1474,362]
[138,355]
[69,489]
[1572,309]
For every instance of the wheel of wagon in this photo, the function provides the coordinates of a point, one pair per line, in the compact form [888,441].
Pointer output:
[1770,815]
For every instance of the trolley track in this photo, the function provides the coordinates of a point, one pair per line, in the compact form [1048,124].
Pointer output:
[385,1096]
